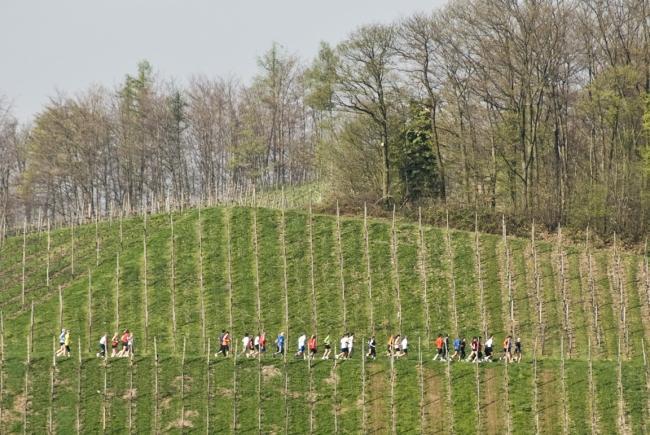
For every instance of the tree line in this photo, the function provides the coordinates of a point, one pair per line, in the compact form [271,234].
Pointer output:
[533,109]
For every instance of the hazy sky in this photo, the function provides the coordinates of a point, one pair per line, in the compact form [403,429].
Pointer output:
[69,44]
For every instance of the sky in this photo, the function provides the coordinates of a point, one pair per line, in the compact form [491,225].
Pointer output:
[69,45]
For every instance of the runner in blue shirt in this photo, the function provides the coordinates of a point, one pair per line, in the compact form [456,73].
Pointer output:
[279,342]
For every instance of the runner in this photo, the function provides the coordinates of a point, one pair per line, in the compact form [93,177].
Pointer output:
[344,347]
[404,347]
[102,347]
[446,347]
[518,355]
[225,344]
[312,346]
[350,344]
[327,342]
[389,348]
[125,344]
[301,346]
[439,346]
[61,350]
[372,348]
[456,354]
[115,341]
[246,345]
[279,344]
[463,345]
[256,346]
[473,355]
[67,342]
[397,345]
[479,350]
[507,345]
[488,349]
[263,342]
[130,343]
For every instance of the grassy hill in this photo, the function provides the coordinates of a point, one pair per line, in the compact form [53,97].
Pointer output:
[583,316]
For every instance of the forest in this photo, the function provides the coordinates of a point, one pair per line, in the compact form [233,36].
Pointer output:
[534,110]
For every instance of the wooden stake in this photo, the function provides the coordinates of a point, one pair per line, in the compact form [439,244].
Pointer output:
[183,388]
[117,292]
[256,270]
[592,292]
[105,397]
[145,281]
[506,399]
[72,249]
[395,264]
[259,392]
[339,246]
[538,285]
[478,398]
[208,397]
[24,257]
[592,392]
[156,417]
[131,393]
[234,390]
[421,382]
[78,404]
[335,396]
[96,238]
[173,281]
[26,396]
[450,254]
[314,310]
[511,299]
[393,407]
[479,273]
[565,299]
[47,264]
[565,411]
[90,309]
[364,411]
[30,343]
[201,297]
[535,390]
[368,270]
[619,384]
[229,273]
[422,254]
[285,283]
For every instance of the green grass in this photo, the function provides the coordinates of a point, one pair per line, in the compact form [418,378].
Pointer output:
[336,393]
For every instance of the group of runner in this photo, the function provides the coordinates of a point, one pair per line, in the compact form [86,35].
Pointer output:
[126,340]
[397,346]
[479,352]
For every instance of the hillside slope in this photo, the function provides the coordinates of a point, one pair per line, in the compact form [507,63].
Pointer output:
[583,313]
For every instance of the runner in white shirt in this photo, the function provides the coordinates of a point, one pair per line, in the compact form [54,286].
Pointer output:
[246,341]
[350,344]
[404,345]
[488,349]
[256,346]
[344,347]
[301,346]
[102,347]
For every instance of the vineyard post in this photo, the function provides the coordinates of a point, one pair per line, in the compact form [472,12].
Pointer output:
[201,285]
[256,270]
[207,389]
[183,387]
[341,264]
[565,411]
[30,348]
[117,291]
[234,391]
[2,381]
[537,277]
[619,281]
[480,277]
[395,263]
[131,393]
[450,254]
[104,395]
[47,262]
[478,397]
[2,340]
[368,270]
[72,248]
[96,238]
[646,269]
[312,401]
[121,230]
[592,290]
[173,281]
[336,391]
[535,389]
[145,281]
[78,405]
[423,277]
[565,301]
[393,408]
[645,372]
[311,270]
[511,299]
[51,401]
[26,396]
[285,285]
[592,390]
[619,384]
[506,399]
[450,402]
[90,308]
[259,391]
[156,392]
[364,411]
[24,255]
[229,273]
[421,382]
